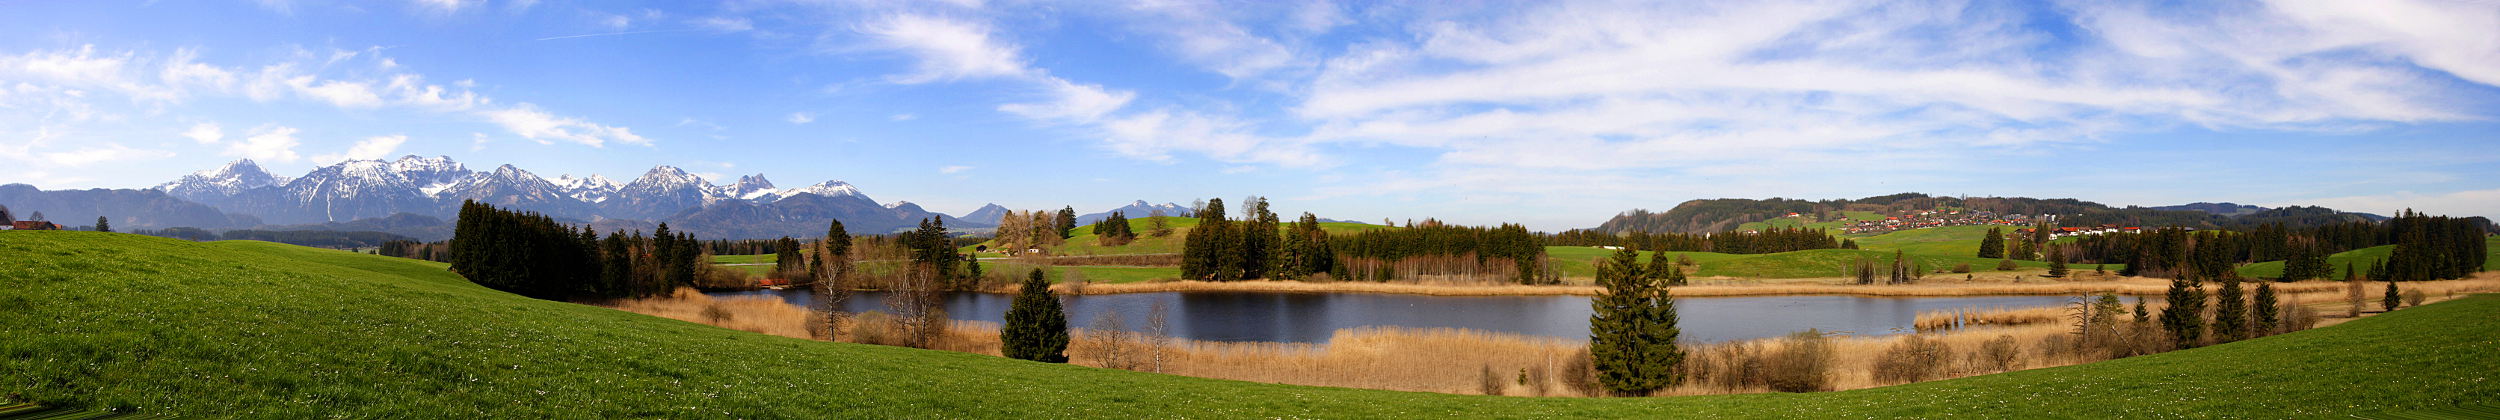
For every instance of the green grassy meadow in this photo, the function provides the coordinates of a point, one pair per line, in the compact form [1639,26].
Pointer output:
[253,329]
[2360,259]
[1948,240]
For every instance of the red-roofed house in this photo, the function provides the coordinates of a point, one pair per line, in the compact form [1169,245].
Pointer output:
[33,225]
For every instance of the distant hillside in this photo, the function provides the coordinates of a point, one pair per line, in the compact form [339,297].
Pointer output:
[2224,208]
[1720,215]
[126,209]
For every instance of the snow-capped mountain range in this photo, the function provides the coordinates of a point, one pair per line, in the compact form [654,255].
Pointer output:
[435,186]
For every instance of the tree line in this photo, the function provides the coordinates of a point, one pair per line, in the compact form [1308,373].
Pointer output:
[530,254]
[1508,252]
[2426,248]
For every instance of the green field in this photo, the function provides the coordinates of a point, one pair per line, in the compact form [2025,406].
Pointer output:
[1785,222]
[1574,262]
[746,259]
[2360,259]
[1949,240]
[253,329]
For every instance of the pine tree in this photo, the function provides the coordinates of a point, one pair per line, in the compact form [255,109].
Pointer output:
[1037,328]
[102,225]
[1634,354]
[6,217]
[2230,311]
[2391,300]
[2057,263]
[2184,317]
[2268,310]
[1659,265]
[1067,222]
[1993,245]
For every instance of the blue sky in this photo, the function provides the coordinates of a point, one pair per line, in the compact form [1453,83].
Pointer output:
[1556,114]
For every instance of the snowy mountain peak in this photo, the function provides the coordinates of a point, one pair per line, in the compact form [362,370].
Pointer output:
[899,204]
[590,189]
[669,177]
[428,172]
[752,187]
[825,189]
[234,178]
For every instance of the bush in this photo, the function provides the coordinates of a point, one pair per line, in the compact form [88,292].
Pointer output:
[1534,378]
[1580,374]
[1999,355]
[1961,268]
[873,328]
[2415,297]
[1914,358]
[2006,265]
[1804,365]
[2299,318]
[1736,365]
[1488,384]
[714,313]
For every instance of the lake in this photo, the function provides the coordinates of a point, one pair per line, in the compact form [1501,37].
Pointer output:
[1313,317]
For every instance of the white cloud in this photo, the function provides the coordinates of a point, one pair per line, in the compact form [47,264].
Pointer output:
[1198,32]
[446,6]
[726,24]
[341,93]
[368,149]
[944,49]
[1155,135]
[529,122]
[902,117]
[1072,102]
[951,169]
[268,144]
[108,152]
[205,133]
[800,118]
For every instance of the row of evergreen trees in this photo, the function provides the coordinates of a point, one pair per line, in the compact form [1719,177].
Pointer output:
[1222,249]
[530,254]
[1432,248]
[2427,248]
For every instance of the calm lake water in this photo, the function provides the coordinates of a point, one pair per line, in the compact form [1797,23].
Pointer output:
[1313,317]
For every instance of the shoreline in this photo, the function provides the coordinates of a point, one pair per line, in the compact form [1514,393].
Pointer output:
[2131,286]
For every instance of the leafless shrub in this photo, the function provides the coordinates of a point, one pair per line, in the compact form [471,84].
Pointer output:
[1803,365]
[1914,358]
[1580,374]
[2414,297]
[1535,379]
[1999,355]
[1488,384]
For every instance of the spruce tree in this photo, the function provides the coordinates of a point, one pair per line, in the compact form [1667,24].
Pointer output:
[2184,317]
[1037,328]
[1659,265]
[1992,246]
[2057,263]
[2392,299]
[1624,336]
[6,217]
[2268,310]
[102,225]
[1067,222]
[2230,311]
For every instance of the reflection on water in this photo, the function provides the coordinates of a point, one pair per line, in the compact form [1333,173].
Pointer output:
[1312,317]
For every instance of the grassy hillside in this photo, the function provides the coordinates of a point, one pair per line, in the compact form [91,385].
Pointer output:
[1949,240]
[1574,261]
[2360,259]
[264,330]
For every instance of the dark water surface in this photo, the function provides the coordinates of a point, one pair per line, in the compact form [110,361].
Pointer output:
[1313,317]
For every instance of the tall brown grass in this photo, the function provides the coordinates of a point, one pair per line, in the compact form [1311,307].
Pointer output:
[761,314]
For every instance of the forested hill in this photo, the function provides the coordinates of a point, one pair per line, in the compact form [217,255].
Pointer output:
[1720,215]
